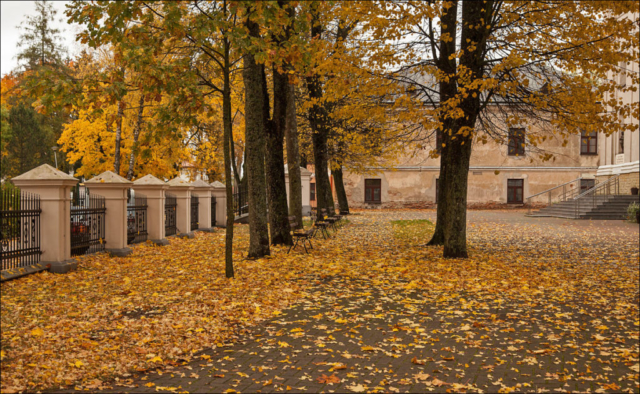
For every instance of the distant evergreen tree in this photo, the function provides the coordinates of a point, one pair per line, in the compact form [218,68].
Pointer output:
[5,137]
[42,58]
[42,42]
[30,144]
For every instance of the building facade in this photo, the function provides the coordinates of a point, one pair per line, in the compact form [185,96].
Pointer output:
[498,174]
[620,153]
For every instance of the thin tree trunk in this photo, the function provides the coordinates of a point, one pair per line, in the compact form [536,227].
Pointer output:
[234,166]
[448,89]
[343,202]
[136,134]
[255,152]
[293,157]
[228,132]
[276,186]
[119,116]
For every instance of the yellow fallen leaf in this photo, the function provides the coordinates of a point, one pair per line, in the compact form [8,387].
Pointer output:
[156,359]
[37,332]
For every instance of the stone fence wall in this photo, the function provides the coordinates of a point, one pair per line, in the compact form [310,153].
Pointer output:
[191,211]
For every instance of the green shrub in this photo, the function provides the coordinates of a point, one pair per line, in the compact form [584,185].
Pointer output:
[632,212]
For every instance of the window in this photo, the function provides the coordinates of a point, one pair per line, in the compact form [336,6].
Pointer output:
[586,184]
[621,143]
[515,191]
[372,191]
[589,143]
[516,142]
[312,191]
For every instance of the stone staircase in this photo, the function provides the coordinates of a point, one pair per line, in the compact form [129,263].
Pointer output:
[613,207]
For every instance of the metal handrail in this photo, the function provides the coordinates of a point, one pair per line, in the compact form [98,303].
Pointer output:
[564,192]
[555,187]
[613,179]
[607,186]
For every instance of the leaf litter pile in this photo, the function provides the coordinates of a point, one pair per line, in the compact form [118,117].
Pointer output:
[537,307]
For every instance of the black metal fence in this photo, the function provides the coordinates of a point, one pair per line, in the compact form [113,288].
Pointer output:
[87,222]
[241,201]
[213,211]
[195,212]
[170,206]
[137,218]
[19,228]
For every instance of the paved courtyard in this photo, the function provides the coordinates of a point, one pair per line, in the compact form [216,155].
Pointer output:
[577,332]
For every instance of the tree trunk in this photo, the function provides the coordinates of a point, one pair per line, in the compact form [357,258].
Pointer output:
[255,152]
[119,116]
[443,183]
[276,186]
[228,132]
[293,157]
[318,120]
[455,224]
[234,166]
[473,41]
[343,203]
[136,134]
[447,90]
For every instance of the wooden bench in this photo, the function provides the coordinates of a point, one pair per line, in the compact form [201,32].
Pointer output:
[319,223]
[300,234]
[332,220]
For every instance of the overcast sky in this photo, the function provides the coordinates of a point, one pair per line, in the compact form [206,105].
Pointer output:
[13,13]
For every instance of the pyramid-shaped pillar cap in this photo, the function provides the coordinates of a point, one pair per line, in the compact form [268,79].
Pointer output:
[218,185]
[200,184]
[148,180]
[108,177]
[179,182]
[44,173]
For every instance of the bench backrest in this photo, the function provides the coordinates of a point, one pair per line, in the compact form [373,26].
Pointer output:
[292,222]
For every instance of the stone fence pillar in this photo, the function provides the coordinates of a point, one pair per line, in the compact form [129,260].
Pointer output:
[219,192]
[54,189]
[154,189]
[203,190]
[182,190]
[113,188]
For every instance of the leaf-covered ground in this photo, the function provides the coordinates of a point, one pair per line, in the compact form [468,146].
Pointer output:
[542,305]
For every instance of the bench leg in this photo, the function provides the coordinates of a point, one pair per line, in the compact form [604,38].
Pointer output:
[292,245]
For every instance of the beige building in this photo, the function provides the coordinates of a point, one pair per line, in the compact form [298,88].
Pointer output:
[503,174]
[620,153]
